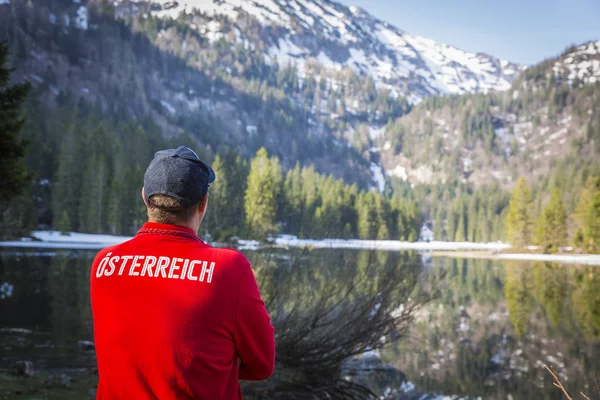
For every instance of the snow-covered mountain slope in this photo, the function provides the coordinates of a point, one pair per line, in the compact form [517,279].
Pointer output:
[337,37]
[550,113]
[581,65]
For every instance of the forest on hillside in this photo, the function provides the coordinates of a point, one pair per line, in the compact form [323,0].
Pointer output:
[325,135]
[88,178]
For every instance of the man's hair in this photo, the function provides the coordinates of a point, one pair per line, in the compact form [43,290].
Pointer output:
[156,214]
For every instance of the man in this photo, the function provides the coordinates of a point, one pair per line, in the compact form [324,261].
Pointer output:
[173,317]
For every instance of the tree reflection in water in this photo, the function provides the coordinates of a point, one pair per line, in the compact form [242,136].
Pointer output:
[498,322]
[327,307]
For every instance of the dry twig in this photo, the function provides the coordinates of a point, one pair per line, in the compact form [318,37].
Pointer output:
[557,382]
[559,385]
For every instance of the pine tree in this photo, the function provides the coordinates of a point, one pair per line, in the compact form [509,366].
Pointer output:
[99,196]
[367,216]
[414,221]
[518,220]
[438,225]
[583,211]
[383,233]
[461,227]
[540,231]
[293,208]
[215,217]
[483,227]
[114,209]
[226,216]
[85,212]
[310,196]
[452,219]
[66,190]
[93,196]
[593,228]
[64,225]
[13,172]
[471,218]
[264,180]
[552,229]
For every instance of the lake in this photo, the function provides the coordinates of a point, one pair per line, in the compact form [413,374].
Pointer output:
[465,327]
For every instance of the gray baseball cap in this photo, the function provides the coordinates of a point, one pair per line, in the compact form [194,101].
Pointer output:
[178,173]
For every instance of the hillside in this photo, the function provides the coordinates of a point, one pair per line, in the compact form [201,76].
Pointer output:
[329,89]
[313,81]
[549,114]
[336,37]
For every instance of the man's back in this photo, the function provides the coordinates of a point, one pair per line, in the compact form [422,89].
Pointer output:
[174,317]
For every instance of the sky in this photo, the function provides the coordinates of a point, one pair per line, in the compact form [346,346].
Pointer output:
[523,31]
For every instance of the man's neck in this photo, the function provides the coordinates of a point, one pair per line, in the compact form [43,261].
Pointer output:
[189,225]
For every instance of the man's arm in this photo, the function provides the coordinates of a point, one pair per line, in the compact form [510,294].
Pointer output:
[253,333]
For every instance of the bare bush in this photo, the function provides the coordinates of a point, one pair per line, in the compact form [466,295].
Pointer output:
[330,311]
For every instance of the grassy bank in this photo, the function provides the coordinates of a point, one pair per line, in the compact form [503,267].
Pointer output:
[49,386]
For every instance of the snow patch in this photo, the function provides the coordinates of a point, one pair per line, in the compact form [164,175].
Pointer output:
[251,129]
[376,133]
[499,357]
[502,134]
[377,173]
[248,244]
[81,21]
[168,107]
[582,64]
[399,172]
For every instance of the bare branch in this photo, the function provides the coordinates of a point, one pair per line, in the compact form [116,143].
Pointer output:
[557,382]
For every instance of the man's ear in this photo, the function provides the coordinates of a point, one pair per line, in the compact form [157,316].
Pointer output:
[203,204]
[144,197]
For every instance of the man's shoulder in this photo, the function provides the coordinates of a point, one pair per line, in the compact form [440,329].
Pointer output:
[105,251]
[114,249]
[226,254]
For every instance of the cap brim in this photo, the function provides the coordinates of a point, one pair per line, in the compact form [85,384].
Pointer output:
[209,171]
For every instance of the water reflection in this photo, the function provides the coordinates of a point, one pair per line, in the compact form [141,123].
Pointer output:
[485,330]
[48,311]
[328,306]
[496,324]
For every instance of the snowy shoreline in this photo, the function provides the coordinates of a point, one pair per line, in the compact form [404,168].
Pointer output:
[88,241]
[76,240]
[358,244]
[70,241]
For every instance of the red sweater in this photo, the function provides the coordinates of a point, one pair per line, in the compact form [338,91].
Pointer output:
[177,319]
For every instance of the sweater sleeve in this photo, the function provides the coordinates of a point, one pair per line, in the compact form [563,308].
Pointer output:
[253,333]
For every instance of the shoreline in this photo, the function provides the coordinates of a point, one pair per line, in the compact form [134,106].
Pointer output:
[493,250]
[581,259]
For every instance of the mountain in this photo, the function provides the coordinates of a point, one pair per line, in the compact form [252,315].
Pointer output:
[549,115]
[314,82]
[337,37]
